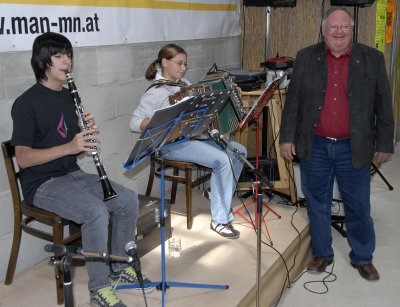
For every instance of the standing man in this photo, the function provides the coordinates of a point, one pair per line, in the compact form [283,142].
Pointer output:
[338,116]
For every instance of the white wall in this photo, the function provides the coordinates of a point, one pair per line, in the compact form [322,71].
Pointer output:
[110,81]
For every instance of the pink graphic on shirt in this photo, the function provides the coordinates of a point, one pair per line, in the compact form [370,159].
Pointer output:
[62,127]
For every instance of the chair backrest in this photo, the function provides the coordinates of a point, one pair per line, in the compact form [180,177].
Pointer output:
[12,174]
[30,212]
[25,216]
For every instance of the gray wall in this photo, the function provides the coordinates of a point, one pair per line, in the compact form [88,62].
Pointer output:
[110,81]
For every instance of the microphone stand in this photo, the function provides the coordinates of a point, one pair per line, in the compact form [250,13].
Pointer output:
[258,175]
[65,265]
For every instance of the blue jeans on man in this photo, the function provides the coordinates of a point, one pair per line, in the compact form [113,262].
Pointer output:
[329,160]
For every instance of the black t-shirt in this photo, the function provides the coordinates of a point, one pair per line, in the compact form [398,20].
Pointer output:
[43,118]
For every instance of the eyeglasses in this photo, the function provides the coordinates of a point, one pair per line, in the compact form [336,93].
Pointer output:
[180,63]
[334,28]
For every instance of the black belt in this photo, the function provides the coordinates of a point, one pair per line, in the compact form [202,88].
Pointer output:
[335,139]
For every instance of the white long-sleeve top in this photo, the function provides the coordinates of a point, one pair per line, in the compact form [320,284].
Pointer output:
[155,98]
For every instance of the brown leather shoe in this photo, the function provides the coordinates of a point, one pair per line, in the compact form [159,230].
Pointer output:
[318,264]
[367,271]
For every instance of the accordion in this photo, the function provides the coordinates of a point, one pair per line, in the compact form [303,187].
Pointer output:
[232,113]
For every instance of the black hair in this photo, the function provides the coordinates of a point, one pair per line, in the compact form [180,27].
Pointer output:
[44,47]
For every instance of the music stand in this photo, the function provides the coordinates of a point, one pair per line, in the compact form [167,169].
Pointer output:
[168,126]
[252,118]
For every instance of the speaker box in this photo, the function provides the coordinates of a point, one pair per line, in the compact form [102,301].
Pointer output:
[148,231]
[272,3]
[352,2]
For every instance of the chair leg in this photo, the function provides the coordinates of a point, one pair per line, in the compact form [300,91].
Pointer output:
[57,239]
[151,176]
[12,262]
[188,187]
[174,186]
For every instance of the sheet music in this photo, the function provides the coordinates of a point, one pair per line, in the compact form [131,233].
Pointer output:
[179,122]
[262,101]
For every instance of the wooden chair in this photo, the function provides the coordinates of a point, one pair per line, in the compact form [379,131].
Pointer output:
[25,215]
[187,179]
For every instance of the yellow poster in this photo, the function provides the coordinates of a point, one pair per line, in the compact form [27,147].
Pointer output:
[380,25]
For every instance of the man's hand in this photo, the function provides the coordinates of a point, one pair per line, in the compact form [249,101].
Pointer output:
[381,156]
[288,150]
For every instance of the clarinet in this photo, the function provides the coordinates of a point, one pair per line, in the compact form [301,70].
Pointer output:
[109,192]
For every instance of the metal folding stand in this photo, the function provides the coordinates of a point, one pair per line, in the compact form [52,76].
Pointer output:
[376,170]
[167,127]
[257,188]
[259,201]
[253,118]
[65,265]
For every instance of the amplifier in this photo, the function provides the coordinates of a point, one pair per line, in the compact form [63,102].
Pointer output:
[352,2]
[272,3]
[148,231]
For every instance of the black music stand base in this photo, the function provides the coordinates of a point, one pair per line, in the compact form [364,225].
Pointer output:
[337,222]
[163,284]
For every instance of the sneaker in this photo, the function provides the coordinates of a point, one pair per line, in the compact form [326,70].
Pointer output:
[207,194]
[225,230]
[129,276]
[105,297]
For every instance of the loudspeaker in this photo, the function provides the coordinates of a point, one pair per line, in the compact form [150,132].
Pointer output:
[272,3]
[352,2]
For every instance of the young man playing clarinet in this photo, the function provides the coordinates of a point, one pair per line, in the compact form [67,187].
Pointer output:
[47,139]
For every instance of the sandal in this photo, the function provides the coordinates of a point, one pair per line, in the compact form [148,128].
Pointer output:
[225,230]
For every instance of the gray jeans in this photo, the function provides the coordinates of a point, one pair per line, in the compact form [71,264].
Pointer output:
[78,196]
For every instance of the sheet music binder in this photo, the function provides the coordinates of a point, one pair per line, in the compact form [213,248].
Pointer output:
[262,101]
[182,121]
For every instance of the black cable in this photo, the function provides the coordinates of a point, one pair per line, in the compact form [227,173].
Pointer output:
[287,278]
[324,281]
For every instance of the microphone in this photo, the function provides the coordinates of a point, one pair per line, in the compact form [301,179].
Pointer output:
[131,250]
[217,137]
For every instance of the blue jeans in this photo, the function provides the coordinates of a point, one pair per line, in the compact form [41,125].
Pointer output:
[226,168]
[78,196]
[330,159]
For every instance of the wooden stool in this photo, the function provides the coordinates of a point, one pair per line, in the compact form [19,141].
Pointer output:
[187,179]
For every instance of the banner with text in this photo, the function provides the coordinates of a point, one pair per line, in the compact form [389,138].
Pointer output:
[112,22]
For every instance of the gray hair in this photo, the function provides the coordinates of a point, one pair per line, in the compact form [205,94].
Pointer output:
[334,9]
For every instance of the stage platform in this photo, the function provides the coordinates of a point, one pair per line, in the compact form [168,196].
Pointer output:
[206,258]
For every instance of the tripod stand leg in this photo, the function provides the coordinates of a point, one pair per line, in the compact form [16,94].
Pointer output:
[267,231]
[272,210]
[376,170]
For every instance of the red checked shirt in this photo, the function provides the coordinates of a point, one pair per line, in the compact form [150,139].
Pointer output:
[334,119]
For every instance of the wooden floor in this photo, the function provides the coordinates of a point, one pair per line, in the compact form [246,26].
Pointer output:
[206,259]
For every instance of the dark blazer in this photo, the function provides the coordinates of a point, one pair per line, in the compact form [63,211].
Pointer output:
[370,102]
